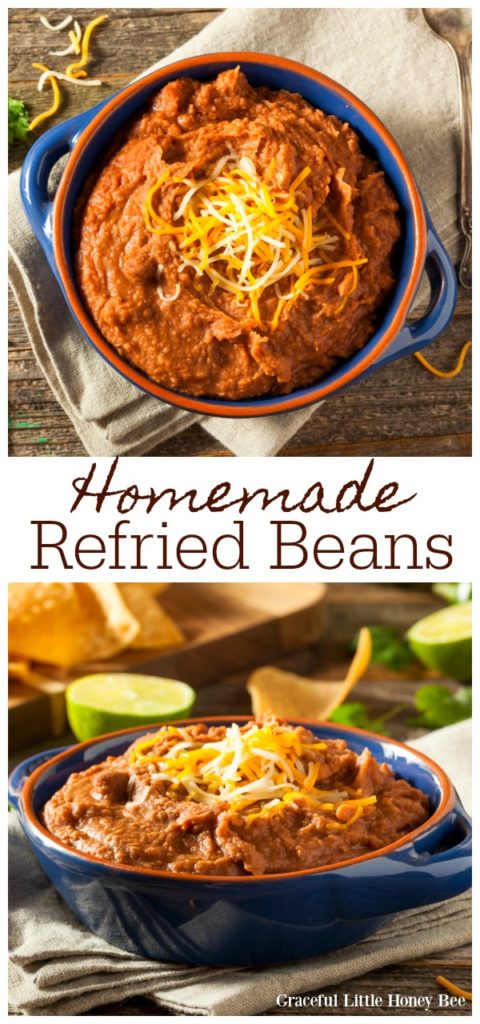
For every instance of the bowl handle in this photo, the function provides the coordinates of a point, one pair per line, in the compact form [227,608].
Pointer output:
[443,857]
[22,772]
[443,300]
[36,170]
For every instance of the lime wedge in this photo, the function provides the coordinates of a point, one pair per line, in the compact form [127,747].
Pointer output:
[109,701]
[454,593]
[443,641]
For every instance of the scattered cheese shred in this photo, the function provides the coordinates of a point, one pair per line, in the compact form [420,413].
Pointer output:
[74,35]
[247,236]
[75,39]
[445,374]
[454,989]
[338,227]
[56,99]
[260,769]
[56,28]
[63,53]
[72,69]
[358,811]
[64,78]
[74,72]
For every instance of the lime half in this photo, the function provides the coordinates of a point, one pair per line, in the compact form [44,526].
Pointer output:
[454,593]
[443,641]
[109,701]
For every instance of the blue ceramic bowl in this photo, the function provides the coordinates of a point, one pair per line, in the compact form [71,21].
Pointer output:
[272,919]
[87,137]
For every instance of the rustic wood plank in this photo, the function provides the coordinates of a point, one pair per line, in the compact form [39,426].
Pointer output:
[400,410]
[122,48]
[405,979]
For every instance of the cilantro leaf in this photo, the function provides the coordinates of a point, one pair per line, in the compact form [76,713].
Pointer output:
[389,648]
[439,706]
[355,713]
[18,121]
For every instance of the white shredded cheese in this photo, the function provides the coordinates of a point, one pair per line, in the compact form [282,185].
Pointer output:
[62,53]
[260,768]
[168,298]
[56,28]
[246,235]
[65,78]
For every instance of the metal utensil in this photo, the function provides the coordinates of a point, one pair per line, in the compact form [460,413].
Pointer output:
[454,26]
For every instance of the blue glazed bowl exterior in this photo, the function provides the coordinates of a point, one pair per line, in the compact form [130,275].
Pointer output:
[259,920]
[88,137]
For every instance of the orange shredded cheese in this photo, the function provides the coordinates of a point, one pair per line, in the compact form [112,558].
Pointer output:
[56,99]
[248,236]
[445,374]
[338,227]
[75,41]
[454,989]
[73,69]
[259,770]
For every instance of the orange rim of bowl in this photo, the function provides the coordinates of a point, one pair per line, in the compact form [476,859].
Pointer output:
[229,407]
[446,804]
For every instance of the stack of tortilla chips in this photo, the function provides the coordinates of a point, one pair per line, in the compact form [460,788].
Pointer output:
[70,624]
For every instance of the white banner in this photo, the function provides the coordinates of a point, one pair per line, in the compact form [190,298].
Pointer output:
[239,519]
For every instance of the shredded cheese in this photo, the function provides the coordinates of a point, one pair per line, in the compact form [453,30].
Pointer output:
[260,770]
[56,28]
[456,991]
[248,236]
[75,38]
[74,72]
[73,69]
[56,99]
[64,78]
[168,298]
[63,53]
[445,374]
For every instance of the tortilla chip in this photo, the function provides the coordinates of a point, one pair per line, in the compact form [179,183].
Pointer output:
[66,623]
[19,669]
[32,679]
[157,630]
[290,696]
[154,588]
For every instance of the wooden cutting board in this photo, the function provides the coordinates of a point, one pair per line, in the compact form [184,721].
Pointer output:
[34,714]
[229,628]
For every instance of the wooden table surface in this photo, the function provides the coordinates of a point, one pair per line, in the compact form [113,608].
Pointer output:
[348,607]
[400,410]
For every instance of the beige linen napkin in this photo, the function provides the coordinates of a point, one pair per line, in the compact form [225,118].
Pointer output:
[392,61]
[58,967]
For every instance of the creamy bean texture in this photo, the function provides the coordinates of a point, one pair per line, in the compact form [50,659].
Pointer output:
[258,799]
[158,303]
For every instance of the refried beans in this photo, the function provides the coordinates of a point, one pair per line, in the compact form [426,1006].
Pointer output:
[255,799]
[237,241]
